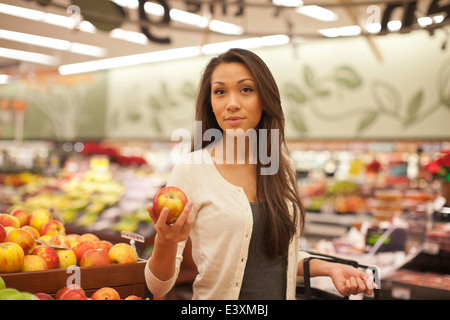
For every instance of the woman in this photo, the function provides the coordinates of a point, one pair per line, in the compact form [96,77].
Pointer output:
[244,221]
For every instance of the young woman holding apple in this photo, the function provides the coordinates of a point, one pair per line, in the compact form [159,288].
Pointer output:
[244,225]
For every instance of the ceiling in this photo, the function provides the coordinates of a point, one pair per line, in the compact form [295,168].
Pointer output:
[259,18]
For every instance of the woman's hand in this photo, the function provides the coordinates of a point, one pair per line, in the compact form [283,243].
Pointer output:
[176,232]
[349,280]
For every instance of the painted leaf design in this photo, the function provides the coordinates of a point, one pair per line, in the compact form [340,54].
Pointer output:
[294,93]
[386,97]
[444,85]
[298,123]
[367,120]
[413,108]
[308,74]
[347,77]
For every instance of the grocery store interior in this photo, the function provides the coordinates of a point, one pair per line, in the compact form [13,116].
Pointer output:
[96,98]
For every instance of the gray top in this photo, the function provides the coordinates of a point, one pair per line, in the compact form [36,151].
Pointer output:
[264,277]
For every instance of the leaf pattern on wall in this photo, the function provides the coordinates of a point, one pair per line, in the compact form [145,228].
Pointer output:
[385,97]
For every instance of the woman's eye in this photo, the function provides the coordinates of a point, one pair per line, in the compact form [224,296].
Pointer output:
[219,91]
[247,89]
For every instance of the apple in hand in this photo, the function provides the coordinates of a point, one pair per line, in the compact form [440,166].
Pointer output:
[2,233]
[33,263]
[11,257]
[53,228]
[49,255]
[95,257]
[23,216]
[122,253]
[171,197]
[66,257]
[105,293]
[23,238]
[8,220]
[39,217]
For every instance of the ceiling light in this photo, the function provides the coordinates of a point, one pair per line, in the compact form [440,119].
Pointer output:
[21,12]
[130,36]
[4,78]
[394,25]
[124,61]
[287,3]
[346,31]
[225,27]
[188,18]
[53,43]
[318,13]
[28,56]
[424,21]
[373,27]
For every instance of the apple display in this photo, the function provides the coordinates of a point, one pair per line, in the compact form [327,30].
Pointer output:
[33,263]
[48,254]
[59,241]
[103,244]
[173,199]
[88,236]
[8,220]
[95,257]
[105,293]
[23,238]
[122,253]
[45,239]
[133,297]
[2,233]
[32,230]
[11,257]
[66,257]
[44,296]
[81,247]
[39,217]
[62,291]
[23,216]
[52,228]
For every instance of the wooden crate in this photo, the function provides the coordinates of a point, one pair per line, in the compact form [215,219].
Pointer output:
[127,279]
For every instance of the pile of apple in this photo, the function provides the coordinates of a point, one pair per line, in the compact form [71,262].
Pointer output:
[34,241]
[75,292]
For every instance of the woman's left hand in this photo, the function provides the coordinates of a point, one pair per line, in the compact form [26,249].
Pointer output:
[349,280]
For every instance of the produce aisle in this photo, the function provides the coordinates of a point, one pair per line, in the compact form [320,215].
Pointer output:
[379,207]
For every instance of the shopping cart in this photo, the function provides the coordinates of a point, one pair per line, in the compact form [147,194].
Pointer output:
[306,292]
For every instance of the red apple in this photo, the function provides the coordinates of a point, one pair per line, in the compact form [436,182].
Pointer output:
[172,198]
[11,257]
[60,292]
[88,236]
[8,220]
[52,228]
[49,255]
[43,296]
[73,294]
[133,297]
[33,263]
[2,233]
[81,247]
[95,257]
[122,253]
[105,293]
[103,244]
[23,238]
[59,241]
[73,237]
[32,230]
[39,217]
[23,216]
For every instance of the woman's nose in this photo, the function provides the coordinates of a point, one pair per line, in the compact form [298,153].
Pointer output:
[233,103]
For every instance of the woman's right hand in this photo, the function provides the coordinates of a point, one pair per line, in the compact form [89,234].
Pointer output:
[175,232]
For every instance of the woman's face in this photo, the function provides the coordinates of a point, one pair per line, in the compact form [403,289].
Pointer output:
[235,101]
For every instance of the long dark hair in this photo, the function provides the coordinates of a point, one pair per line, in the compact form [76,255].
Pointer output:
[276,191]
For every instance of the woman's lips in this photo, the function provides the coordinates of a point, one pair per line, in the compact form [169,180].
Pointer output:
[234,121]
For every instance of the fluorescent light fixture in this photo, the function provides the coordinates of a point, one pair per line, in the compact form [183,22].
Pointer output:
[215,48]
[346,31]
[130,60]
[20,12]
[130,36]
[373,27]
[4,78]
[225,27]
[53,43]
[438,18]
[394,25]
[424,21]
[287,3]
[318,13]
[188,18]
[28,56]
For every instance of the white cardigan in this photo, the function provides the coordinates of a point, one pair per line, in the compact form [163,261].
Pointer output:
[220,234]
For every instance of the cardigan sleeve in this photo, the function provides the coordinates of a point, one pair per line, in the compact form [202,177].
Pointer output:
[180,177]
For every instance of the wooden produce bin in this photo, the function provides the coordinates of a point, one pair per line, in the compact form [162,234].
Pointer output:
[127,279]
